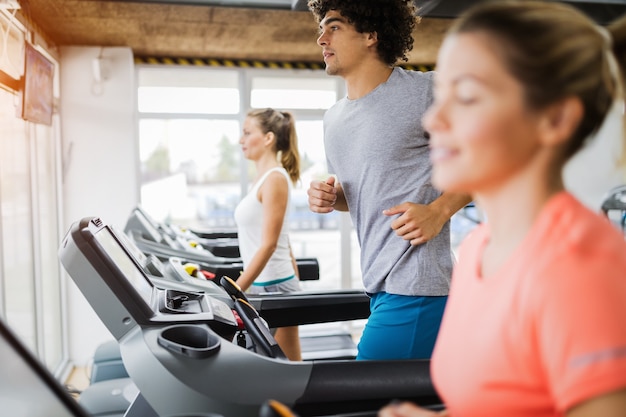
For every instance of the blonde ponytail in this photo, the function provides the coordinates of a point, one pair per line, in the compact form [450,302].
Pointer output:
[290,156]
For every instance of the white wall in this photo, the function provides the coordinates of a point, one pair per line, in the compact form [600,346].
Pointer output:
[99,127]
[594,171]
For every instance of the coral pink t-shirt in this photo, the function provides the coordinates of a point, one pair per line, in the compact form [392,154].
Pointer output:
[544,333]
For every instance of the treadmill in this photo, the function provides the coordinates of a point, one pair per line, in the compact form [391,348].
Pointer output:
[216,255]
[28,389]
[614,206]
[179,348]
[227,247]
[304,307]
[279,310]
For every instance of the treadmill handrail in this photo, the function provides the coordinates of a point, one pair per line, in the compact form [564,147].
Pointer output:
[280,310]
[352,386]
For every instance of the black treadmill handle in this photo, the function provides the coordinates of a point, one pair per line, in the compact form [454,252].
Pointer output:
[358,380]
[254,324]
[233,289]
[247,308]
[273,408]
[257,328]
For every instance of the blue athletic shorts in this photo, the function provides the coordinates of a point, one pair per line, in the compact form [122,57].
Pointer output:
[401,327]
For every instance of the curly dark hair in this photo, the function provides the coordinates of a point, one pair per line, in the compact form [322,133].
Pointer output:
[392,20]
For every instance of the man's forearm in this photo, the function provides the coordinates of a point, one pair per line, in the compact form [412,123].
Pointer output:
[449,203]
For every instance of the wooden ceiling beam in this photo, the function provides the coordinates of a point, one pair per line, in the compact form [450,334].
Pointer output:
[193,31]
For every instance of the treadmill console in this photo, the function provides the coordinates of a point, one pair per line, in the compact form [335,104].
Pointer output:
[93,253]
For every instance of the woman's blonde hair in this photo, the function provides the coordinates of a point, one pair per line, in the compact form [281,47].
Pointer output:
[555,52]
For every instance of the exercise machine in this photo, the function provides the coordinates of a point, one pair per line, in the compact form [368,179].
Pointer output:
[614,206]
[28,389]
[173,248]
[180,350]
[279,310]
[109,374]
[168,241]
[220,246]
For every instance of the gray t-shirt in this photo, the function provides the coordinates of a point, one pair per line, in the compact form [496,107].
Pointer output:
[376,147]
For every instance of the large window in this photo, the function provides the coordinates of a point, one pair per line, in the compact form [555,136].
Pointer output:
[190,170]
[29,266]
[193,171]
[293,93]
[190,91]
[17,225]
[30,286]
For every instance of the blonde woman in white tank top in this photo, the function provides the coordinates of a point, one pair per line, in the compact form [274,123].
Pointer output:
[269,140]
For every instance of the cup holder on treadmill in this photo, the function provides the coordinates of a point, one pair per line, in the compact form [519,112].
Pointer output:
[193,341]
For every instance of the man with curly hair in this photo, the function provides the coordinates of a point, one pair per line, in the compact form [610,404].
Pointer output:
[378,152]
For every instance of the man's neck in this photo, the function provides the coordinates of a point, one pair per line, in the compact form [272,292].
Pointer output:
[365,79]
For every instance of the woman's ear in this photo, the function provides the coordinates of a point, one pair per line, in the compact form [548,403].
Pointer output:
[270,137]
[560,121]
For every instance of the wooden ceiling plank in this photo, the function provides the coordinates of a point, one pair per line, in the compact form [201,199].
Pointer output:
[193,31]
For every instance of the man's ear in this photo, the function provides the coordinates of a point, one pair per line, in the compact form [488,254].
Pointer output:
[560,121]
[372,38]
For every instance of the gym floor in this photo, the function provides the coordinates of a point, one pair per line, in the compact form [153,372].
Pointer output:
[77,381]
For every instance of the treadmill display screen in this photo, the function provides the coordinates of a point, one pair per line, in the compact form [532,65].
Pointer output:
[148,226]
[132,248]
[124,262]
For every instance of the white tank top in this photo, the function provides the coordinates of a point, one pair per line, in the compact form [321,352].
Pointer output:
[249,219]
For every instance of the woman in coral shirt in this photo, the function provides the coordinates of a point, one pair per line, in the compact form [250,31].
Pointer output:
[536,318]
